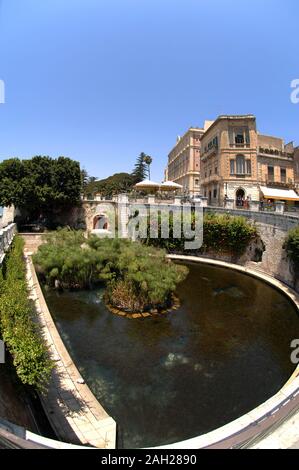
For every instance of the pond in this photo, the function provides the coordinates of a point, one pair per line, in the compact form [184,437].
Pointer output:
[172,377]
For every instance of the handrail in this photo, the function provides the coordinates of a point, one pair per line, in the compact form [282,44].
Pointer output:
[6,237]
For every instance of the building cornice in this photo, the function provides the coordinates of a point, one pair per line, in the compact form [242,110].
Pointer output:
[224,117]
[191,129]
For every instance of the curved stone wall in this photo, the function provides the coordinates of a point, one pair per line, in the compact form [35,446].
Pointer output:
[237,432]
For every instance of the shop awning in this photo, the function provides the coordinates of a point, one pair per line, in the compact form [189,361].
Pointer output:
[281,194]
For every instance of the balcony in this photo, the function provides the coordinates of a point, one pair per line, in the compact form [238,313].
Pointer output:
[211,179]
[212,150]
[279,184]
[268,152]
[244,145]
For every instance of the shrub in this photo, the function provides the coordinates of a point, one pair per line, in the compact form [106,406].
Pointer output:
[222,233]
[18,327]
[292,246]
[145,273]
[135,275]
[227,233]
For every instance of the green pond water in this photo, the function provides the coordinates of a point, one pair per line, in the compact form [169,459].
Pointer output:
[169,378]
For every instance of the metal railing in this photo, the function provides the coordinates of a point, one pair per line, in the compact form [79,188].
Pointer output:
[6,237]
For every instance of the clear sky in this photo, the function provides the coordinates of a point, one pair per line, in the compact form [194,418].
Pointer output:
[102,80]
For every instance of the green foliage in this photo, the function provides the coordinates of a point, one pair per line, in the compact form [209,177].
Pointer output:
[140,170]
[292,246]
[137,276]
[221,233]
[86,180]
[68,259]
[148,161]
[227,233]
[117,183]
[18,327]
[146,274]
[41,185]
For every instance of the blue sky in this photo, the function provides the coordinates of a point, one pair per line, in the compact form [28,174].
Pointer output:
[102,80]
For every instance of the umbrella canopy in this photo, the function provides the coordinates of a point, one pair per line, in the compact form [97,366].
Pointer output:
[170,185]
[147,184]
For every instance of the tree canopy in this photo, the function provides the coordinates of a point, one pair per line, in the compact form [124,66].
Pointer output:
[119,182]
[40,185]
[140,170]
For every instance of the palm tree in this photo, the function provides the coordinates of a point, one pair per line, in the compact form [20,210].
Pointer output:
[148,160]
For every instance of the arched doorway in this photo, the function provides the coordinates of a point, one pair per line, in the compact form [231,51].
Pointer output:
[100,222]
[240,197]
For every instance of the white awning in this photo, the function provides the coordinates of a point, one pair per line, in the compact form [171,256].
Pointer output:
[147,184]
[170,185]
[281,194]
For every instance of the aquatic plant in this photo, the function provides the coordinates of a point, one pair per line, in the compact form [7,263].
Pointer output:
[137,277]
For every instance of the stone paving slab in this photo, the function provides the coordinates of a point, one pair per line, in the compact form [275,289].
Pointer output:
[285,437]
[74,412]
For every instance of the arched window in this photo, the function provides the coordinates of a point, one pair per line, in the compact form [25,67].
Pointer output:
[240,160]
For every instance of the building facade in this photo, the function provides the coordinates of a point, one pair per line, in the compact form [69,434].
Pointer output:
[296,167]
[184,161]
[229,159]
[238,163]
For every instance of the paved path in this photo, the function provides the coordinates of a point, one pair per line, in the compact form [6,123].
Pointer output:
[285,437]
[74,412]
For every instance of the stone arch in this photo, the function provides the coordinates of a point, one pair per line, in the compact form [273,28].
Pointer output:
[240,196]
[100,221]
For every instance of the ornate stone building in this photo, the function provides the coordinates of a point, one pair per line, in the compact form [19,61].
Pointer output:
[239,163]
[184,161]
[229,159]
[296,167]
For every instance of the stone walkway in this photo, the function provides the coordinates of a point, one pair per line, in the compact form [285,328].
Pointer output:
[74,412]
[285,437]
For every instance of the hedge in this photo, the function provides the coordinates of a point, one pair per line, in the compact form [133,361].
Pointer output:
[292,246]
[18,326]
[221,232]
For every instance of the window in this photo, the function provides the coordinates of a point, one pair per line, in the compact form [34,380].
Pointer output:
[206,174]
[212,144]
[283,175]
[239,139]
[240,161]
[216,170]
[196,182]
[270,173]
[214,193]
[248,167]
[239,136]
[232,167]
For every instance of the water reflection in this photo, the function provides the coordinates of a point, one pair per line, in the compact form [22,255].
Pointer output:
[163,379]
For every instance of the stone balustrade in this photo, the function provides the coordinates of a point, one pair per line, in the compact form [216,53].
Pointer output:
[6,237]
